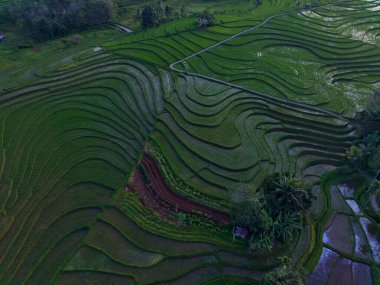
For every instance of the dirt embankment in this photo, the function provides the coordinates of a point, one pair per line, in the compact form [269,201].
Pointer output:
[157,192]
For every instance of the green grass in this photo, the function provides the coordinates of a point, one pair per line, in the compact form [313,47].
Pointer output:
[215,143]
[74,145]
[23,66]
[303,58]
[74,123]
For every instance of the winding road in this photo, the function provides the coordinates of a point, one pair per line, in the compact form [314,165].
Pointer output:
[262,94]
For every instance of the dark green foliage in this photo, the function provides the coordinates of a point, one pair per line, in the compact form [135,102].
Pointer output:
[182,10]
[364,150]
[285,276]
[285,225]
[372,143]
[205,20]
[252,215]
[372,139]
[257,4]
[366,153]
[249,210]
[47,19]
[369,121]
[374,161]
[261,241]
[374,228]
[99,11]
[169,11]
[155,13]
[277,215]
[287,193]
[188,220]
[149,17]
[5,15]
[357,153]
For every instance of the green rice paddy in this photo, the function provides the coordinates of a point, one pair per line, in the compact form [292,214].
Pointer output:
[74,124]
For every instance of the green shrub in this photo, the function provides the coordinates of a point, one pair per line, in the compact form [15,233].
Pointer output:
[287,193]
[249,210]
[284,276]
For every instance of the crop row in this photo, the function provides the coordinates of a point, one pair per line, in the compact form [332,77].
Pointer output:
[324,57]
[68,141]
[214,140]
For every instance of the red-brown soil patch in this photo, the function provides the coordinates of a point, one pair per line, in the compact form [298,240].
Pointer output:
[159,197]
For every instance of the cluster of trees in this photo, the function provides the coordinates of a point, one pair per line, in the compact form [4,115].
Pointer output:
[366,153]
[285,275]
[46,19]
[157,12]
[205,20]
[273,213]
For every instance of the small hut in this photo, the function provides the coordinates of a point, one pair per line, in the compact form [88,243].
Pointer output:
[240,232]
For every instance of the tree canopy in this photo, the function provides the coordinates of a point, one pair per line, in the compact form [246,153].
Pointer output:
[285,276]
[287,193]
[150,17]
[275,213]
[249,211]
[205,20]
[46,19]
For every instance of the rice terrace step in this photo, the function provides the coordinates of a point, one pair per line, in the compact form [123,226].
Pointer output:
[189,142]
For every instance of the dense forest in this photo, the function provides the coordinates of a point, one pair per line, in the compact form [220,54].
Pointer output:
[46,19]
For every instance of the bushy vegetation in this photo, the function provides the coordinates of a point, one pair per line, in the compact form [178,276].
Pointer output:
[47,19]
[205,20]
[151,15]
[285,276]
[249,212]
[274,213]
[157,12]
[285,193]
[366,153]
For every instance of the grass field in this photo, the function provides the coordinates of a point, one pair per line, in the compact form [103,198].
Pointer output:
[325,57]
[74,123]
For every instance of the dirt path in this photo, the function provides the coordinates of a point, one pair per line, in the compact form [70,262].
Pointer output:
[262,94]
[162,193]
[120,27]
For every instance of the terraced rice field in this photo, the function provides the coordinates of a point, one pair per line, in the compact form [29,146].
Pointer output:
[327,57]
[73,140]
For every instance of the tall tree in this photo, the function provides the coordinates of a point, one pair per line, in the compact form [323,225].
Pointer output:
[248,209]
[287,193]
[149,17]
[205,20]
[52,18]
[182,10]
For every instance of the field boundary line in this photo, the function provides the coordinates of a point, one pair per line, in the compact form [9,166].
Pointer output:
[262,94]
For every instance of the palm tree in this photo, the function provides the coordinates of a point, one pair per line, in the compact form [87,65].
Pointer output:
[286,225]
[288,193]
